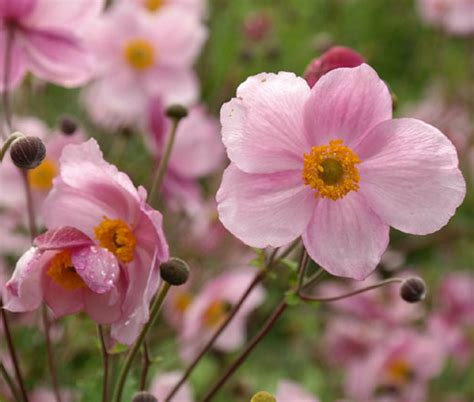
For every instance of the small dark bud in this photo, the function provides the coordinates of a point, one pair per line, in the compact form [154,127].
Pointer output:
[175,271]
[176,112]
[144,396]
[413,290]
[67,125]
[27,152]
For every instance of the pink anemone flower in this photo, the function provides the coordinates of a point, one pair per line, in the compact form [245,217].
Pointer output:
[455,16]
[331,165]
[209,308]
[43,36]
[142,57]
[335,57]
[93,197]
[291,391]
[162,385]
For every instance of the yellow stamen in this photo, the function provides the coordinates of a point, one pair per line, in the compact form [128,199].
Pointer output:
[215,313]
[139,53]
[182,301]
[399,372]
[331,171]
[117,237]
[41,177]
[63,272]
[154,5]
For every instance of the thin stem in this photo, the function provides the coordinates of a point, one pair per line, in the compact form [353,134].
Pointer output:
[304,260]
[349,294]
[250,346]
[49,350]
[6,78]
[163,291]
[29,204]
[13,355]
[9,381]
[7,143]
[314,278]
[146,365]
[160,173]
[105,362]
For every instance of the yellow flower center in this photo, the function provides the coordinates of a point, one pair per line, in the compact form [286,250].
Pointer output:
[215,313]
[41,177]
[182,301]
[63,273]
[139,53]
[154,5]
[117,237]
[331,170]
[399,372]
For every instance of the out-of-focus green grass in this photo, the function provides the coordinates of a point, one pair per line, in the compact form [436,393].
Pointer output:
[407,54]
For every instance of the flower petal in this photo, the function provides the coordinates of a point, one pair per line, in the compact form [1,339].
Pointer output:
[264,209]
[346,237]
[17,65]
[62,301]
[98,268]
[62,238]
[262,128]
[345,104]
[410,175]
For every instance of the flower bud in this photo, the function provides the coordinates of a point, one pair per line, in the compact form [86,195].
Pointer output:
[413,290]
[175,271]
[27,152]
[144,396]
[263,396]
[67,125]
[176,112]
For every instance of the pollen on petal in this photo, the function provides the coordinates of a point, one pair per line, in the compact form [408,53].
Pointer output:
[117,237]
[331,170]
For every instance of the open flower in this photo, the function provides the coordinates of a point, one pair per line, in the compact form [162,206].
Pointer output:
[210,308]
[455,16]
[100,202]
[331,165]
[139,57]
[42,36]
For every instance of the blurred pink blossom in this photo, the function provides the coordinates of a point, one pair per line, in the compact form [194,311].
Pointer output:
[44,37]
[211,306]
[163,383]
[47,395]
[454,16]
[288,391]
[197,7]
[140,56]
[331,165]
[335,57]
[257,26]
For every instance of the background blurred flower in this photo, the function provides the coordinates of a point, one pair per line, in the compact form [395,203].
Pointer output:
[455,16]
[291,391]
[163,383]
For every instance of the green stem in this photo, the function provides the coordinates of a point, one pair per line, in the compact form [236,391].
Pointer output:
[105,362]
[10,383]
[160,173]
[8,142]
[163,291]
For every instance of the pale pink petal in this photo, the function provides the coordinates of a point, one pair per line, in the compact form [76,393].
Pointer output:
[24,291]
[345,104]
[62,301]
[262,128]
[98,268]
[163,383]
[64,13]
[346,237]
[410,175]
[103,308]
[16,9]
[62,238]
[17,65]
[289,391]
[57,57]
[264,209]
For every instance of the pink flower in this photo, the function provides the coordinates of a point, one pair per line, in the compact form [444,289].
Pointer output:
[139,57]
[163,384]
[335,57]
[41,178]
[289,391]
[197,7]
[455,16]
[257,26]
[331,165]
[197,152]
[399,367]
[47,395]
[123,237]
[44,39]
[210,308]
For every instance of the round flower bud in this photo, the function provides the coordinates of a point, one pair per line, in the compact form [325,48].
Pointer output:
[263,396]
[413,290]
[176,112]
[67,125]
[144,396]
[175,271]
[27,152]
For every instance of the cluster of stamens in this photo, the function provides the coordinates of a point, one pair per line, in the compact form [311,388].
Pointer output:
[117,237]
